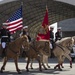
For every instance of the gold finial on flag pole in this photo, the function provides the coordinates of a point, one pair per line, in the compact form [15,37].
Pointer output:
[46,8]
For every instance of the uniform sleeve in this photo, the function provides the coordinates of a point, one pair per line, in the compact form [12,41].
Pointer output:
[0,33]
[8,33]
[56,34]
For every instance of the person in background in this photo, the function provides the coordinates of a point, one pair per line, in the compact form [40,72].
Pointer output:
[58,34]
[52,37]
[25,32]
[5,38]
[52,43]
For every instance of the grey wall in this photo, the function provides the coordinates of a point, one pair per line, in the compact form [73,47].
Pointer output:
[68,27]
[68,1]
[6,1]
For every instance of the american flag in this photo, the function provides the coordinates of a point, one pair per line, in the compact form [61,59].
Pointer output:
[15,22]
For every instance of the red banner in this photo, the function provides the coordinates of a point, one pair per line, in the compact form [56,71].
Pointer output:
[45,26]
[43,36]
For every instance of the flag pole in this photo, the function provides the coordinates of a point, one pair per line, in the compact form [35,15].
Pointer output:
[22,9]
[22,16]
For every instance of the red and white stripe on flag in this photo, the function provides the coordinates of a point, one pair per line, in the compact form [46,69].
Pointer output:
[15,25]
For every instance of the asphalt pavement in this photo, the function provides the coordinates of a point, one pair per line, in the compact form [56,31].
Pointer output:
[10,68]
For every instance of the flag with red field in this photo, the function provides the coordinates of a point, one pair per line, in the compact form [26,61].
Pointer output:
[45,26]
[43,36]
[45,21]
[15,22]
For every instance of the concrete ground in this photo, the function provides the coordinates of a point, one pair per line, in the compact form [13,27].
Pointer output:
[10,68]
